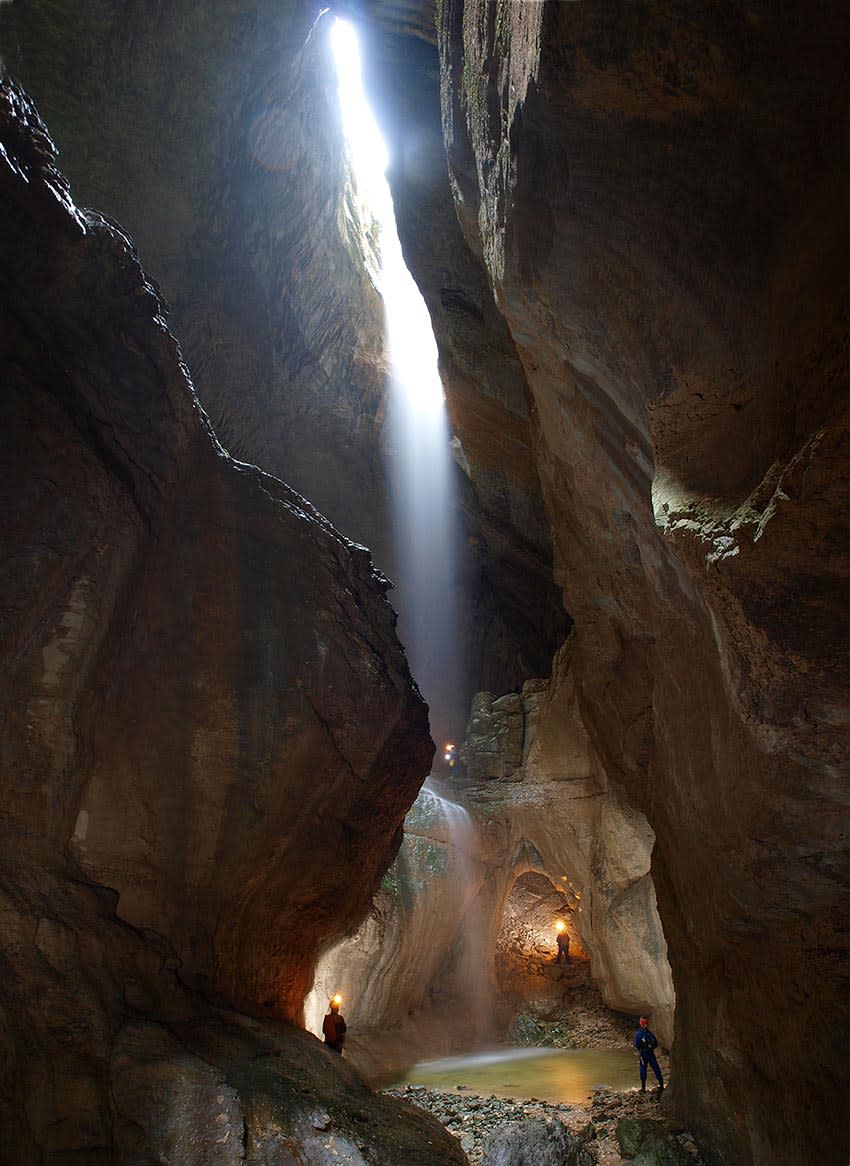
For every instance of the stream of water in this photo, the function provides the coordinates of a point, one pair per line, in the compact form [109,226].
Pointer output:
[473,962]
[564,1076]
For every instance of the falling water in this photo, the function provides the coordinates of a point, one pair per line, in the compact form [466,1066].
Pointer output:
[473,974]
[420,462]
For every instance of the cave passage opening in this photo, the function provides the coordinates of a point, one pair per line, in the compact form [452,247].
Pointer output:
[552,1038]
[421,469]
[545,992]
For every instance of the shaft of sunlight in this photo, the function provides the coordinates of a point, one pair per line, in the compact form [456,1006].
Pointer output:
[413,350]
[421,469]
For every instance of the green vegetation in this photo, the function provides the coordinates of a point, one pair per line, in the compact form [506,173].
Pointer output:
[527,1030]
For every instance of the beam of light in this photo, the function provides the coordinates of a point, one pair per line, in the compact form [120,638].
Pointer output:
[413,350]
[418,442]
[369,157]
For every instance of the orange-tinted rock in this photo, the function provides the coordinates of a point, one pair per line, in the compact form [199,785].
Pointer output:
[419,973]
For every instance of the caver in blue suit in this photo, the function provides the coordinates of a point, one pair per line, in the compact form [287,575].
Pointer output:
[646,1043]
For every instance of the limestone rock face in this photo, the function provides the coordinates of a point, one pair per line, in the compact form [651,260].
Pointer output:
[211,133]
[494,737]
[413,977]
[560,816]
[423,962]
[224,1090]
[518,620]
[205,708]
[650,192]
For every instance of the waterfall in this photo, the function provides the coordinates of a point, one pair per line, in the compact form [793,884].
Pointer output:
[472,962]
[420,465]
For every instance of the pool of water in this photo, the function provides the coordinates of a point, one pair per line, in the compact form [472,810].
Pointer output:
[557,1075]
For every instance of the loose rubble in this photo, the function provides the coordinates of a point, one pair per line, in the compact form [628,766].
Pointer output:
[470,1118]
[561,1007]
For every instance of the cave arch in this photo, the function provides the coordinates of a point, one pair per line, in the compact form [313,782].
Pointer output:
[533,907]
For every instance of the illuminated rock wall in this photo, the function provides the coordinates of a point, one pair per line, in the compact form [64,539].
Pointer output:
[649,192]
[209,733]
[539,801]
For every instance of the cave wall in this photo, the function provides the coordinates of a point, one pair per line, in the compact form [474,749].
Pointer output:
[209,732]
[699,153]
[405,993]
[649,191]
[538,786]
[517,618]
[419,972]
[211,133]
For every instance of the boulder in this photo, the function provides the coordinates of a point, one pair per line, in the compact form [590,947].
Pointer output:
[534,1143]
[647,1142]
[222,1090]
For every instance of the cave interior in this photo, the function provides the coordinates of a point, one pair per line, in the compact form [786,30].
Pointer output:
[242,769]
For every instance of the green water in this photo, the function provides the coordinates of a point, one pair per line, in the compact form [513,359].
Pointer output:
[557,1075]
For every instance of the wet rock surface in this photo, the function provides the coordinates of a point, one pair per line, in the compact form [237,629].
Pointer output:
[223,1088]
[536,1141]
[455,951]
[691,446]
[553,1006]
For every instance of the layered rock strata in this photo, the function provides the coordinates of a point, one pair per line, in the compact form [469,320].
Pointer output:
[650,193]
[209,732]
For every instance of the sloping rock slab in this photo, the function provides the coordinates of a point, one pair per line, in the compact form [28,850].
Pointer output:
[203,704]
[205,699]
[226,1089]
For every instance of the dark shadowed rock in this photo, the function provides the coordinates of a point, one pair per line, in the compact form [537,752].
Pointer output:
[534,1143]
[651,1143]
[518,618]
[649,193]
[212,134]
[204,705]
[223,1089]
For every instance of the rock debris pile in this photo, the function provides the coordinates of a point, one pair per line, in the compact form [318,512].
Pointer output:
[619,1128]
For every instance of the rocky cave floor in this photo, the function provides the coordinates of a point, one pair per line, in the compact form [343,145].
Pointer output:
[551,1005]
[471,1118]
[554,1006]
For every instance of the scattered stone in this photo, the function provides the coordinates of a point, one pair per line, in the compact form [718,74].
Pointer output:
[472,1119]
